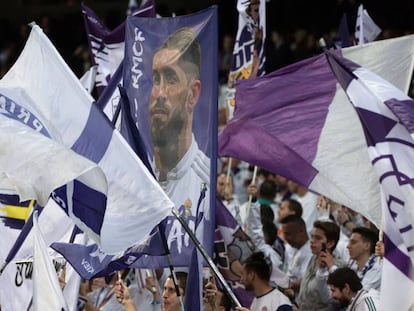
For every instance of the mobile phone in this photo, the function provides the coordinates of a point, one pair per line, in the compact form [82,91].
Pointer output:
[323,247]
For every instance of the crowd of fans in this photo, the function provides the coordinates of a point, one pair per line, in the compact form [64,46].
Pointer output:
[330,253]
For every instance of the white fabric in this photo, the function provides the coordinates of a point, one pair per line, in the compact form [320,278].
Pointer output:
[16,280]
[30,161]
[47,294]
[88,79]
[365,30]
[183,186]
[365,301]
[310,213]
[298,260]
[358,187]
[393,155]
[270,301]
[135,201]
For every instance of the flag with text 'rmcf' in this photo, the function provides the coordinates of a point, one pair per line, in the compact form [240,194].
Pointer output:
[387,119]
[173,103]
[47,293]
[134,203]
[303,127]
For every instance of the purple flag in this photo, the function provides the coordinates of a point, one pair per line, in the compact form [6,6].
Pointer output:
[107,47]
[342,39]
[303,127]
[90,261]
[387,118]
[232,246]
[173,102]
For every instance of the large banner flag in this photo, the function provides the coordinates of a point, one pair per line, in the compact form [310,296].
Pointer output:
[47,293]
[387,117]
[170,78]
[302,126]
[134,203]
[365,29]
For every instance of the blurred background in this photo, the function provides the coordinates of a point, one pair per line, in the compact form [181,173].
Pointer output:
[299,23]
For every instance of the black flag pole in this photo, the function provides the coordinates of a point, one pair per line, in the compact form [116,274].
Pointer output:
[209,261]
[171,267]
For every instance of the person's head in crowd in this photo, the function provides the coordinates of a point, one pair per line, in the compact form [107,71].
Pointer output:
[269,232]
[361,244]
[170,300]
[224,192]
[222,301]
[325,234]
[267,190]
[256,271]
[289,207]
[281,183]
[266,213]
[294,231]
[344,283]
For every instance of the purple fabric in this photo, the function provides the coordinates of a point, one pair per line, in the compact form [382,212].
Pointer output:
[279,117]
[377,126]
[404,110]
[89,261]
[229,252]
[342,68]
[342,37]
[400,260]
[98,33]
[94,148]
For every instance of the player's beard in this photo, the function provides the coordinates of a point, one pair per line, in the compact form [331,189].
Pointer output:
[167,134]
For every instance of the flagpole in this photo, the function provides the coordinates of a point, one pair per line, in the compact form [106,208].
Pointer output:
[207,258]
[21,238]
[228,175]
[171,266]
[249,204]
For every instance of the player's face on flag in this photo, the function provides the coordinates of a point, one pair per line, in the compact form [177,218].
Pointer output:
[169,96]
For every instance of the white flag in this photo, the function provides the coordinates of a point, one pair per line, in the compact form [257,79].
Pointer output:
[135,202]
[387,116]
[88,79]
[365,30]
[47,293]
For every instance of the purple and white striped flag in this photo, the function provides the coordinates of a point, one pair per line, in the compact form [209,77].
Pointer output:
[106,46]
[387,118]
[134,203]
[302,126]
